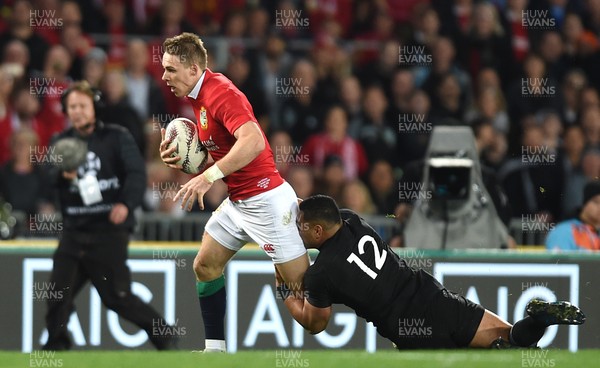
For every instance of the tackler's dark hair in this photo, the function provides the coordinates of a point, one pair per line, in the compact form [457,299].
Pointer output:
[320,208]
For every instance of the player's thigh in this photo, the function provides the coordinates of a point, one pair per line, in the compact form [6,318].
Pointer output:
[211,258]
[490,328]
[223,237]
[454,319]
[269,219]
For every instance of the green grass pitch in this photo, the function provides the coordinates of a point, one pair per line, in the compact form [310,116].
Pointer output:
[309,358]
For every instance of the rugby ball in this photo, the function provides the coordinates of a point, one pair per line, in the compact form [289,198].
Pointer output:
[182,134]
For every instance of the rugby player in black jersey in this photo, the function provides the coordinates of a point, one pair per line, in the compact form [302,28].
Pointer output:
[357,268]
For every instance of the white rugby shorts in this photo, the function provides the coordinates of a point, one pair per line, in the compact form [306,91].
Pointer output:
[268,219]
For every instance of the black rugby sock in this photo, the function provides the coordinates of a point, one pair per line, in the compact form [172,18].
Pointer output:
[526,332]
[213,300]
[213,315]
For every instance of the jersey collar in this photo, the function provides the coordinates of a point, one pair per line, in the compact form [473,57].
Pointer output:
[196,90]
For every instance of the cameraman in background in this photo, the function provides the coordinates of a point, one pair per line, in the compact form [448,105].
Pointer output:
[97,195]
[453,208]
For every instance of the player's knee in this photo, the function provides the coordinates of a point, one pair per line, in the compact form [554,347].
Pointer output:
[205,270]
[198,268]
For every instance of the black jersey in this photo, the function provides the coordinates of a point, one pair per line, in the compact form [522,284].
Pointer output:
[115,160]
[357,268]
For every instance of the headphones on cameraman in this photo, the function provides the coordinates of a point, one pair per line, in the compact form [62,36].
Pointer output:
[96,99]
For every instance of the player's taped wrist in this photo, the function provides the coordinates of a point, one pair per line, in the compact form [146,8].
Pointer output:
[283,291]
[213,174]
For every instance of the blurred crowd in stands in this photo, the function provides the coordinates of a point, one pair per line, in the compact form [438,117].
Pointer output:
[348,91]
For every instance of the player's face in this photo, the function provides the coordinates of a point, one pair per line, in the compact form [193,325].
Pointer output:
[308,232]
[80,110]
[180,78]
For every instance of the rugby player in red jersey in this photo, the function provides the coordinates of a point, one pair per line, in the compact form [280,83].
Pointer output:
[261,206]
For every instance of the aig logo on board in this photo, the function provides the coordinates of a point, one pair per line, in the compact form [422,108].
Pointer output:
[90,324]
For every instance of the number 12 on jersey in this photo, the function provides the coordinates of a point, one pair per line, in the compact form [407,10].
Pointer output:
[379,257]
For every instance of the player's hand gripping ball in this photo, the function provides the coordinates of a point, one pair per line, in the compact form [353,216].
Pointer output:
[182,134]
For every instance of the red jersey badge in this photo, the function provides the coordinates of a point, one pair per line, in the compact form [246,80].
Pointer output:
[203,118]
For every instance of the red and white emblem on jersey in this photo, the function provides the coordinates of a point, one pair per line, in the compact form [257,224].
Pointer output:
[263,183]
[203,118]
[269,248]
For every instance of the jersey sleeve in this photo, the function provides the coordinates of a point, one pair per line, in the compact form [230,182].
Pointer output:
[315,285]
[233,109]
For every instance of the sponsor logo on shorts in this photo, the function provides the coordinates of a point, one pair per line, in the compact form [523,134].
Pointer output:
[287,218]
[269,248]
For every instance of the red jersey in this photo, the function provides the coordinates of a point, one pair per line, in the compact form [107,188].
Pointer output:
[220,109]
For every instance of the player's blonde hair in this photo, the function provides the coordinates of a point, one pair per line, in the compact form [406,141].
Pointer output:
[188,47]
